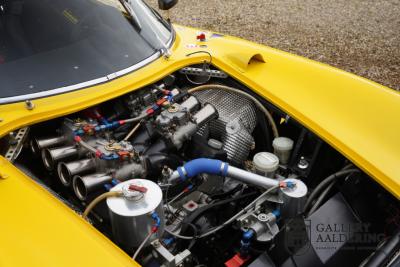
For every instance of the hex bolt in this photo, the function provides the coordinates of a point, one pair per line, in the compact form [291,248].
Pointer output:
[12,138]
[303,164]
[29,105]
[262,217]
[156,244]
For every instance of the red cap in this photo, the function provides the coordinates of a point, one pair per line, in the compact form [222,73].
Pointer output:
[138,188]
[236,261]
[201,36]
[77,139]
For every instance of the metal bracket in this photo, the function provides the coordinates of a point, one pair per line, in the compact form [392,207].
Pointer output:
[16,146]
[168,259]
[204,72]
[263,224]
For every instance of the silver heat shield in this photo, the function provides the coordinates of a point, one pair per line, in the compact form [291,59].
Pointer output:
[236,122]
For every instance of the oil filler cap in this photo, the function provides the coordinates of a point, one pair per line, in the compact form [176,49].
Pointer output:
[134,191]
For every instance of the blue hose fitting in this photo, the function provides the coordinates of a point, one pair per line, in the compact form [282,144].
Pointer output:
[108,187]
[168,241]
[248,235]
[110,157]
[290,184]
[114,182]
[276,213]
[156,218]
[246,242]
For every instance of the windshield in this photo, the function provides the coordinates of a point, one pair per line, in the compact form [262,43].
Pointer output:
[54,46]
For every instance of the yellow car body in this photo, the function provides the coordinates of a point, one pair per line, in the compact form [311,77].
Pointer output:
[358,117]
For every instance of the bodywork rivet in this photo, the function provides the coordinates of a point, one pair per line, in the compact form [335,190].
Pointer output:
[29,105]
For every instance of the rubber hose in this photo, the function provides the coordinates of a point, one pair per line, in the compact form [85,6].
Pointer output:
[98,199]
[321,198]
[325,182]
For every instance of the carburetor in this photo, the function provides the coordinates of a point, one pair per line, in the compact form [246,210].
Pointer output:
[179,122]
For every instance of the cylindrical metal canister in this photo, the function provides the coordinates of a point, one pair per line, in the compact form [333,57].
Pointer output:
[294,199]
[131,216]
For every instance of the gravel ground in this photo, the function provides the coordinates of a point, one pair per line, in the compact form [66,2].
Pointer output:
[360,36]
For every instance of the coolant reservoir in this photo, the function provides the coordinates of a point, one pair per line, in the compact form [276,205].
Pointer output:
[282,148]
[131,214]
[266,164]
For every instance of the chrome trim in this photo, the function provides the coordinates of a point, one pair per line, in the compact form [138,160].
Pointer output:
[75,87]
[70,88]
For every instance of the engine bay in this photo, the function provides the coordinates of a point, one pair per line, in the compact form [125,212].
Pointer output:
[198,170]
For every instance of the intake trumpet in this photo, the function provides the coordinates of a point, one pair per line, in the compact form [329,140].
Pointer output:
[36,144]
[51,156]
[66,171]
[85,185]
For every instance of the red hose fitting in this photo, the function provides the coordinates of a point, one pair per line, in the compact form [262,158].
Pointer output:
[160,101]
[98,153]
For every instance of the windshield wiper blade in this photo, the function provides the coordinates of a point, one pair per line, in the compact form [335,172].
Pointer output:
[132,15]
[166,23]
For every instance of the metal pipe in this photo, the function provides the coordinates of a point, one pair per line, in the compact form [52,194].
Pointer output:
[66,171]
[217,167]
[36,145]
[136,119]
[134,129]
[251,178]
[52,156]
[84,185]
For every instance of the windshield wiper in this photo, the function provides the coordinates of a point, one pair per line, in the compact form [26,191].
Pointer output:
[132,15]
[166,23]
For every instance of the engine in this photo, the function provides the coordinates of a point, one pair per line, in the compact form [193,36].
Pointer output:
[199,176]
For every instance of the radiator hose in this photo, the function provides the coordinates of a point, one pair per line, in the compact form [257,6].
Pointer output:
[220,168]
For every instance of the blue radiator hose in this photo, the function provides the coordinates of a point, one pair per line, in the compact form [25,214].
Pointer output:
[202,165]
[220,168]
